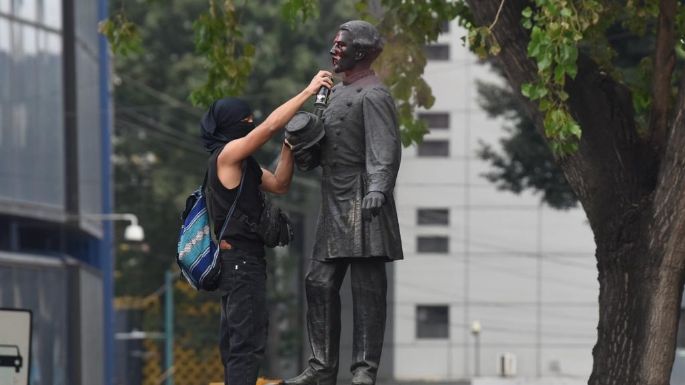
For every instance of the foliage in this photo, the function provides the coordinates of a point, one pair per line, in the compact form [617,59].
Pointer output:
[621,43]
[526,162]
[556,28]
[559,31]
[403,60]
[122,34]
[228,57]
[293,10]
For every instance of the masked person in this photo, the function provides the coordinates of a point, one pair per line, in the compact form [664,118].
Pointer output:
[358,228]
[230,135]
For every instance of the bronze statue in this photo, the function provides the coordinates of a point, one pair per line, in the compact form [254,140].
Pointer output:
[357,227]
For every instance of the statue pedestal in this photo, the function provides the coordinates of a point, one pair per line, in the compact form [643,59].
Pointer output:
[260,381]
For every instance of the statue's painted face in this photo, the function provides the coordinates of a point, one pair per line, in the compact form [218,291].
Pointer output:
[343,52]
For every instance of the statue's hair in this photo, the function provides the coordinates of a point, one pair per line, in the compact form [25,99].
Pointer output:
[364,35]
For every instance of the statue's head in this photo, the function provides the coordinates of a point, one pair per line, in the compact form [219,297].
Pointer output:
[356,45]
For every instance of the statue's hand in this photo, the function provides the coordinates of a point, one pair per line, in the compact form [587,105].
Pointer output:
[371,205]
[307,159]
[304,156]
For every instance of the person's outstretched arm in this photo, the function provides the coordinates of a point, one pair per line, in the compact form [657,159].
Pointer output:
[239,149]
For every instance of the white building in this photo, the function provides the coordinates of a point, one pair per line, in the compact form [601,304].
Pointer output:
[525,272]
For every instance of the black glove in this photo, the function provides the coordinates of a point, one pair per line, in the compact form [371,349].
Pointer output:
[307,159]
[371,205]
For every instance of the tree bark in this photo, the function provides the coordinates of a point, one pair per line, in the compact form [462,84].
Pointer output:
[634,198]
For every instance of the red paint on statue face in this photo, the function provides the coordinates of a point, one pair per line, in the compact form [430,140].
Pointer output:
[343,52]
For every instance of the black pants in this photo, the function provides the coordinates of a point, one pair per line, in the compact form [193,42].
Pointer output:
[369,288]
[244,317]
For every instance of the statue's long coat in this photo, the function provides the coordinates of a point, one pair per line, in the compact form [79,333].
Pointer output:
[360,153]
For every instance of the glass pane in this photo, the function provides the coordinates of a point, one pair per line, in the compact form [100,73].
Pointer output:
[89,131]
[51,117]
[52,13]
[432,322]
[434,148]
[432,244]
[6,88]
[5,6]
[681,330]
[4,36]
[437,52]
[433,216]
[29,42]
[86,16]
[445,27]
[26,9]
[43,290]
[31,160]
[436,120]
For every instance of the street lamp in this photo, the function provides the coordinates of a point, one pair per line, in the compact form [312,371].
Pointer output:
[475,330]
[133,232]
[136,334]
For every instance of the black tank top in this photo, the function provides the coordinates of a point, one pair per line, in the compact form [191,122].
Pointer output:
[238,233]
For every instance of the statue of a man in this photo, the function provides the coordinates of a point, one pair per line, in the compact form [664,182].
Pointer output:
[357,228]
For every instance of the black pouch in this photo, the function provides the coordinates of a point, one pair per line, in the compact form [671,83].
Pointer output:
[274,227]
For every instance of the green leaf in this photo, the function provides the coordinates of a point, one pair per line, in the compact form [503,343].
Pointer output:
[495,49]
[559,74]
[527,12]
[526,90]
[563,96]
[545,62]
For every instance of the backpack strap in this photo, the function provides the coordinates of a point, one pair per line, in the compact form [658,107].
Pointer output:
[204,181]
[235,202]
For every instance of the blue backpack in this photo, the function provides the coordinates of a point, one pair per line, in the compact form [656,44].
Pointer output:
[198,250]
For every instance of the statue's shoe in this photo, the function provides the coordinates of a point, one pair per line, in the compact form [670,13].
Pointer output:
[363,378]
[310,377]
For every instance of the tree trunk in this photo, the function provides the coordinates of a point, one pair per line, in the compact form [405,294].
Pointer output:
[634,198]
[638,318]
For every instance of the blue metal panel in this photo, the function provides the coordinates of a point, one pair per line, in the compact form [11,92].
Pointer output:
[106,246]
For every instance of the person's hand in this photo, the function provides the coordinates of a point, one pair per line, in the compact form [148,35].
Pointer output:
[323,78]
[307,159]
[371,205]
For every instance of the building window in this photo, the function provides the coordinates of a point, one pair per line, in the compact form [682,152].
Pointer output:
[433,216]
[437,52]
[434,148]
[432,244]
[436,120]
[432,321]
[681,330]
[445,27]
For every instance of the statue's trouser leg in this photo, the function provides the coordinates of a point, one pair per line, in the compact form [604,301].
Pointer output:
[369,288]
[323,317]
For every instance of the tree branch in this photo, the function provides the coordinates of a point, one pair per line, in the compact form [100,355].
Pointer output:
[664,63]
[499,11]
[610,171]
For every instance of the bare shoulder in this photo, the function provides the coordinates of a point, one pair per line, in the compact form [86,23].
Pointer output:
[227,155]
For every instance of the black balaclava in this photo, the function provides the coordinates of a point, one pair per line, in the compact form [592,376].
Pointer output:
[223,122]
